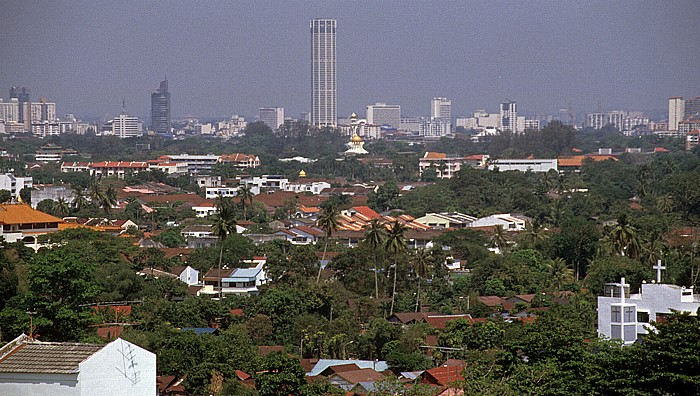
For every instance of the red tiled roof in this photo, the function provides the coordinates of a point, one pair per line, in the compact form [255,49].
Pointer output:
[443,375]
[434,155]
[440,322]
[120,164]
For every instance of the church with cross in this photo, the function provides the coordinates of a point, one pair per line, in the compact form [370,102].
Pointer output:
[627,317]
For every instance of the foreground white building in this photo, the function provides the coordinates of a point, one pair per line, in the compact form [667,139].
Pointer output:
[624,316]
[29,367]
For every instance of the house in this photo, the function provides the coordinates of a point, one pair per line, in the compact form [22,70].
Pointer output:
[303,186]
[21,223]
[446,220]
[30,367]
[322,364]
[241,160]
[205,209]
[216,192]
[508,222]
[358,380]
[301,235]
[186,274]
[235,281]
[575,163]
[624,316]
[442,376]
[117,168]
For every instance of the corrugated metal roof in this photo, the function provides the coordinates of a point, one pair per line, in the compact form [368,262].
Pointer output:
[47,357]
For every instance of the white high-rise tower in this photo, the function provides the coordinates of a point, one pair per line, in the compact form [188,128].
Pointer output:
[323,73]
[676,112]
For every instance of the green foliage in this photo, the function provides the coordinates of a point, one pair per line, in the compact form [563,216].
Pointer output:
[611,269]
[5,196]
[282,375]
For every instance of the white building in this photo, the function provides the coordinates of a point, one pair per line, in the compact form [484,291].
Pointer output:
[531,124]
[302,186]
[14,184]
[46,128]
[509,116]
[29,367]
[203,129]
[524,165]
[273,117]
[508,222]
[384,114]
[435,127]
[676,112]
[233,127]
[324,106]
[126,126]
[265,182]
[195,163]
[205,210]
[9,111]
[441,108]
[216,192]
[626,317]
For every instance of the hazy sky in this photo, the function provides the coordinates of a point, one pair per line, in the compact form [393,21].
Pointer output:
[231,57]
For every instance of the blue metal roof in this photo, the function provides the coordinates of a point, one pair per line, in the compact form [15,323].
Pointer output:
[200,330]
[242,275]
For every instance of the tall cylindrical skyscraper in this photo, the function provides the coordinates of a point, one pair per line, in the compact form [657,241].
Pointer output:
[323,73]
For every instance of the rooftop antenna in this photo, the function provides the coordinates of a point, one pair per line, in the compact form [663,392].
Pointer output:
[123,106]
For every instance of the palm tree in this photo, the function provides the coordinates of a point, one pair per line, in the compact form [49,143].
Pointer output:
[246,195]
[499,240]
[534,233]
[61,207]
[328,221]
[95,193]
[108,199]
[79,199]
[624,238]
[394,245]
[665,204]
[224,225]
[559,272]
[375,234]
[421,267]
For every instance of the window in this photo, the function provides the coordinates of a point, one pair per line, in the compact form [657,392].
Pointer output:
[615,314]
[642,317]
[630,314]
[616,332]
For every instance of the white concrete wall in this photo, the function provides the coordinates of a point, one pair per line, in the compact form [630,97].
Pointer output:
[120,368]
[39,384]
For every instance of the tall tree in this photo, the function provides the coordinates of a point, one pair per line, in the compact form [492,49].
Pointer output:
[624,239]
[328,221]
[224,225]
[79,199]
[375,235]
[421,267]
[395,244]
[61,207]
[246,195]
[499,240]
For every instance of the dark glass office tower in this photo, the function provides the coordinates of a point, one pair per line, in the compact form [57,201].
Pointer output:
[22,96]
[160,109]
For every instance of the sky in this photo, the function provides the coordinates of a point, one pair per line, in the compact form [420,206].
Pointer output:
[232,57]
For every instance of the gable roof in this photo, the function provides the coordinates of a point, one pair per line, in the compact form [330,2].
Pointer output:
[23,214]
[443,375]
[361,375]
[24,355]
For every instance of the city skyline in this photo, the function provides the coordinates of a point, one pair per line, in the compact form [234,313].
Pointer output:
[543,55]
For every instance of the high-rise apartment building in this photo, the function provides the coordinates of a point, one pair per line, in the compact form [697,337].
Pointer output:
[384,114]
[692,109]
[160,109]
[126,126]
[273,117]
[441,108]
[324,105]
[9,111]
[509,116]
[676,112]
[22,96]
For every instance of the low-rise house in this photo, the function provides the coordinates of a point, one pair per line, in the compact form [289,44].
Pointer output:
[205,209]
[301,235]
[185,274]
[216,192]
[446,220]
[322,364]
[507,221]
[236,280]
[241,160]
[117,168]
[29,367]
[447,167]
[304,186]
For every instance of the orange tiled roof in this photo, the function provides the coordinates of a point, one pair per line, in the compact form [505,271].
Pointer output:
[577,160]
[24,214]
[434,155]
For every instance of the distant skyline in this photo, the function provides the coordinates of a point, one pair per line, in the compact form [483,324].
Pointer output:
[225,58]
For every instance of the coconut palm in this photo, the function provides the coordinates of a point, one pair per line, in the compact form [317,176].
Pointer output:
[328,221]
[624,238]
[79,199]
[559,273]
[395,244]
[246,195]
[224,225]
[499,240]
[665,204]
[61,207]
[95,193]
[421,267]
[534,233]
[108,199]
[375,234]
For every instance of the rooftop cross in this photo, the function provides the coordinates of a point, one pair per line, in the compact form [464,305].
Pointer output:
[658,267]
